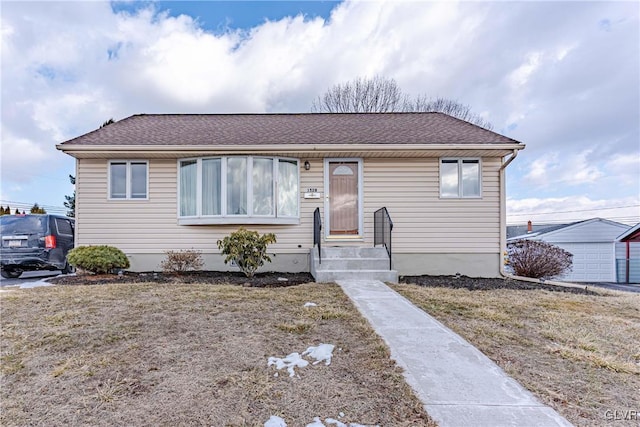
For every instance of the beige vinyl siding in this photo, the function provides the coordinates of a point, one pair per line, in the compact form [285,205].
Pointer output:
[425,223]
[151,226]
[409,188]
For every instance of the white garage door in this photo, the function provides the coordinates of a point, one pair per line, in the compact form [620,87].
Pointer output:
[592,262]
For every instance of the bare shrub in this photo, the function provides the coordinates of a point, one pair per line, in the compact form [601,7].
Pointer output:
[539,260]
[181,261]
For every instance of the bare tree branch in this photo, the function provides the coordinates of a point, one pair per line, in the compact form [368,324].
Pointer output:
[361,95]
[447,106]
[383,95]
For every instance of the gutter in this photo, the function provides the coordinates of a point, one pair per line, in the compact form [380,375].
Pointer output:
[503,235]
[303,148]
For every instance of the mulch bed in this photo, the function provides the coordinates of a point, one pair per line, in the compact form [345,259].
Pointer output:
[275,280]
[260,280]
[483,284]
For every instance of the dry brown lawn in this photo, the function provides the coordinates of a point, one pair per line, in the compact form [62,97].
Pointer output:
[580,354]
[168,354]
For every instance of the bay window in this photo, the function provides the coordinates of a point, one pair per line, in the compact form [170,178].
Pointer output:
[188,188]
[211,189]
[288,187]
[263,186]
[237,190]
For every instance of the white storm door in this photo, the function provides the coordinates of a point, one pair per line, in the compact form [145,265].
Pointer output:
[343,198]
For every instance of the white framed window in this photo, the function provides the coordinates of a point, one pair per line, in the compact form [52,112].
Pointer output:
[460,178]
[128,179]
[238,190]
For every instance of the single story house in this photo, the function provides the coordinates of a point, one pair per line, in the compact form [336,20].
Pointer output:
[592,244]
[628,255]
[156,182]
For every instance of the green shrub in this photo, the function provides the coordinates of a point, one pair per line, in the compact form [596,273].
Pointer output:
[181,261]
[98,259]
[248,249]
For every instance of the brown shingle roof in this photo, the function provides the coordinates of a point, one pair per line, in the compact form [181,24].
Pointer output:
[254,129]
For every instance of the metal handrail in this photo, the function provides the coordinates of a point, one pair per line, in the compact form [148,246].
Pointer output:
[382,227]
[317,232]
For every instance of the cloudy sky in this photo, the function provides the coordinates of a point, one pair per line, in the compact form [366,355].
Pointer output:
[562,77]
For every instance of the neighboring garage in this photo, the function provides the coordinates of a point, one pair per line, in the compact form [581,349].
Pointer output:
[628,256]
[592,243]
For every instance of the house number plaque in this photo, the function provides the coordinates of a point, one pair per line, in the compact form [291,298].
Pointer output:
[311,193]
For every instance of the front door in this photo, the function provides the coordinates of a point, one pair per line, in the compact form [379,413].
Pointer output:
[343,198]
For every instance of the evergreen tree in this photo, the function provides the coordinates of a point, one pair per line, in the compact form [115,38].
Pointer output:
[108,122]
[35,209]
[71,200]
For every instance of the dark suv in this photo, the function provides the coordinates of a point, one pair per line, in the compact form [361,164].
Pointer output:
[35,242]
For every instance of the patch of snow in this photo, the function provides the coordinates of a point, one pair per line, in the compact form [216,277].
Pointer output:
[35,284]
[275,421]
[341,414]
[310,304]
[289,362]
[316,423]
[320,353]
[337,423]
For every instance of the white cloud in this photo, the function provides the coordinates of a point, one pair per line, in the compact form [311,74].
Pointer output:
[29,153]
[572,208]
[545,73]
[520,76]
[629,162]
[571,169]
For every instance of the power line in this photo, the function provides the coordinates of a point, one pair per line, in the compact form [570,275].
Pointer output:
[580,210]
[35,175]
[31,204]
[26,207]
[623,219]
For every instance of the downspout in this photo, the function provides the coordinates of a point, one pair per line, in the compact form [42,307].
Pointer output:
[503,212]
[505,164]
[503,233]
[628,260]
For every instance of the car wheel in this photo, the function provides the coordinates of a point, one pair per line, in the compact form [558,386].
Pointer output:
[68,269]
[11,274]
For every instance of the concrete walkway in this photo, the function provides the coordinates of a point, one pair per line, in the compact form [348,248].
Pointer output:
[458,384]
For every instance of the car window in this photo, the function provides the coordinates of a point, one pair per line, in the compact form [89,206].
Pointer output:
[64,226]
[22,225]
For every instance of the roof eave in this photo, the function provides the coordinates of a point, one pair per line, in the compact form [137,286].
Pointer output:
[301,148]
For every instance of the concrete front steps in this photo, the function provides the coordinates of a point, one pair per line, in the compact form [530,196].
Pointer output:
[352,263]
